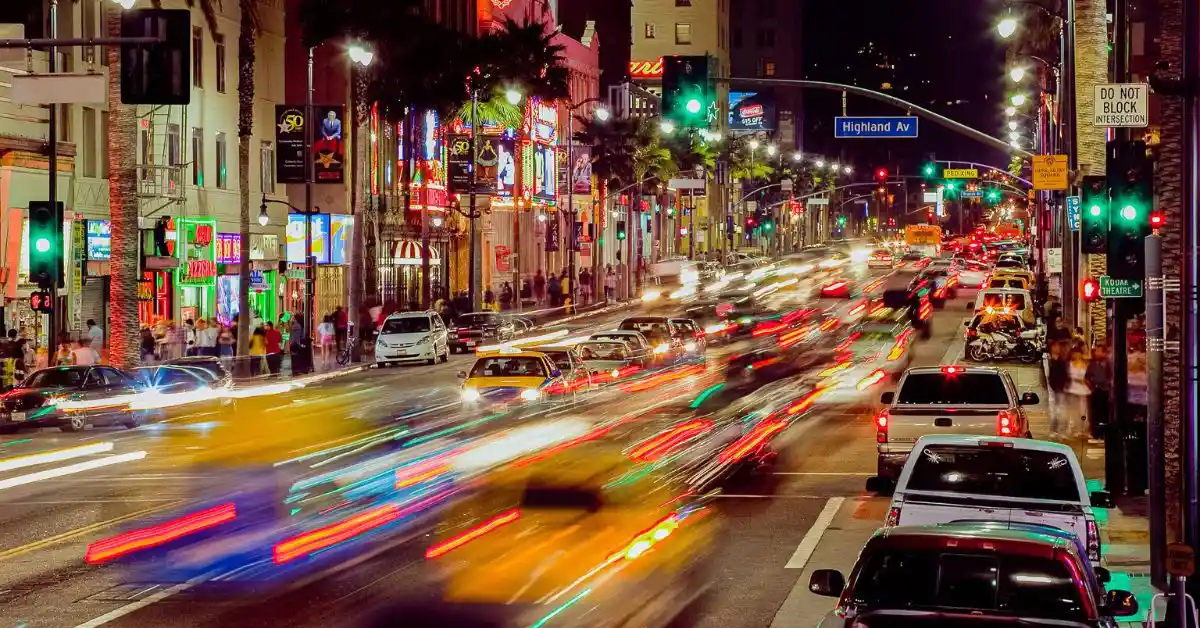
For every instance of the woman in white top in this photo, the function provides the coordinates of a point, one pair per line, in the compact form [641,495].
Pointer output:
[325,338]
[1077,393]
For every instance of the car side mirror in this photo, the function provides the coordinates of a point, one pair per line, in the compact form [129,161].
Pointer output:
[1120,603]
[1101,499]
[1029,399]
[887,398]
[556,373]
[1103,575]
[827,582]
[462,374]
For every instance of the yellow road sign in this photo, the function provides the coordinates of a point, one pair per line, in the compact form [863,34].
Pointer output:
[1050,172]
[960,173]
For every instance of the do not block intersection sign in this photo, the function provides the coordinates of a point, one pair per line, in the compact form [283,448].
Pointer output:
[1122,105]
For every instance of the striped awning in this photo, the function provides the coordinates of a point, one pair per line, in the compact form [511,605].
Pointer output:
[407,253]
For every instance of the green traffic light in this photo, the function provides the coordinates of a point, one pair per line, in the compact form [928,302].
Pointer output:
[42,245]
[1094,210]
[1129,212]
[768,226]
[693,106]
[929,170]
[950,185]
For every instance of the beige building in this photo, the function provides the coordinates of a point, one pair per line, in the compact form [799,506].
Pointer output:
[187,167]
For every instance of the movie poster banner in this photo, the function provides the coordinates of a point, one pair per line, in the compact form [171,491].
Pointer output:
[328,147]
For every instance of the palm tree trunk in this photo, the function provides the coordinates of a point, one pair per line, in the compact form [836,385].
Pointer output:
[1091,69]
[246,40]
[123,209]
[1168,185]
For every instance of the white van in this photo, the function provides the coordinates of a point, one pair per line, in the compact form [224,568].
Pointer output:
[412,337]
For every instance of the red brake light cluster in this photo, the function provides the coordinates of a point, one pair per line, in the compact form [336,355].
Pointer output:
[881,426]
[1004,423]
[154,536]
[952,369]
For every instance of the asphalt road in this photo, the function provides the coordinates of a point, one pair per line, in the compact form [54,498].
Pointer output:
[775,525]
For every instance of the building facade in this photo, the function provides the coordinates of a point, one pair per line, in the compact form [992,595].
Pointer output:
[765,42]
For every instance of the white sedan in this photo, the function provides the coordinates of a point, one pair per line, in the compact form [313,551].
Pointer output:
[973,274]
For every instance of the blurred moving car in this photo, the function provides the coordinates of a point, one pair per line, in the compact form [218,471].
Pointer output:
[509,376]
[912,260]
[972,274]
[412,337]
[1011,480]
[479,329]
[839,289]
[70,398]
[950,399]
[586,537]
[576,375]
[693,338]
[910,293]
[964,570]
[608,356]
[641,351]
[880,345]
[171,379]
[666,340]
[205,366]
[880,258]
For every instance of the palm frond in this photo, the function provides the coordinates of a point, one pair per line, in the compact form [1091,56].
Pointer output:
[496,110]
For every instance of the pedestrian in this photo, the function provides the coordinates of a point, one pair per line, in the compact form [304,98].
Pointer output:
[565,279]
[1099,382]
[526,292]
[554,290]
[462,303]
[585,286]
[539,287]
[96,333]
[325,339]
[189,336]
[84,354]
[63,356]
[226,341]
[258,351]
[1078,395]
[610,283]
[174,340]
[1057,378]
[506,296]
[214,332]
[340,327]
[203,339]
[148,345]
[274,341]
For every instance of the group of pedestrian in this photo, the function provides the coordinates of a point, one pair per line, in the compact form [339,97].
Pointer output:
[1079,389]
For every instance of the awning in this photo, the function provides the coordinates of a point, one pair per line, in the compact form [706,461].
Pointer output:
[407,253]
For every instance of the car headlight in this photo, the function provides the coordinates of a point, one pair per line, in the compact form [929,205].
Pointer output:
[470,394]
[425,339]
[616,373]
[381,343]
[662,348]
[650,296]
[531,394]
[690,346]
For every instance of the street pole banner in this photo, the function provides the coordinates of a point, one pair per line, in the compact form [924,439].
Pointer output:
[290,162]
[553,234]
[328,147]
[581,170]
[458,164]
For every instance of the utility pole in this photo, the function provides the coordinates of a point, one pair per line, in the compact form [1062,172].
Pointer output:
[310,265]
[472,246]
[52,136]
[1155,321]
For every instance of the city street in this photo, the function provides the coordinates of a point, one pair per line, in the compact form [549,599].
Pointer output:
[812,511]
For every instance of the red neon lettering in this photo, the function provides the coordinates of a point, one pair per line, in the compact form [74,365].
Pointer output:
[646,69]
[201,268]
[204,234]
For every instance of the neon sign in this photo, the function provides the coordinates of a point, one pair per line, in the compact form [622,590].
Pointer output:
[197,251]
[201,269]
[646,69]
[229,248]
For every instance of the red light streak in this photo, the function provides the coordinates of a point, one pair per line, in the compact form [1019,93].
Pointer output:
[345,530]
[454,543]
[752,440]
[658,446]
[829,324]
[146,538]
[805,402]
[847,342]
[766,329]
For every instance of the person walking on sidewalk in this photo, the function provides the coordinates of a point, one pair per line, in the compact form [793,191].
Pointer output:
[539,287]
[325,340]
[554,289]
[1099,383]
[274,341]
[585,286]
[610,283]
[1057,377]
[506,296]
[1077,394]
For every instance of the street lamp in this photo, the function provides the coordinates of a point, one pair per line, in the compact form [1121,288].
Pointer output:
[753,144]
[771,150]
[847,170]
[512,96]
[1017,100]
[820,163]
[666,126]
[601,114]
[360,55]
[1010,111]
[1012,125]
[1007,27]
[1017,74]
[797,156]
[263,219]
[1014,136]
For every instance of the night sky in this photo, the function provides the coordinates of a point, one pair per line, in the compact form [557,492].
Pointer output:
[940,54]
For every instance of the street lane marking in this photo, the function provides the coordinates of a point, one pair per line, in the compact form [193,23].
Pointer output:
[78,467]
[118,613]
[69,534]
[55,455]
[808,544]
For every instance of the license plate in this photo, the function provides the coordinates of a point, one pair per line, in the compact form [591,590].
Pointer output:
[401,352]
[470,343]
[18,416]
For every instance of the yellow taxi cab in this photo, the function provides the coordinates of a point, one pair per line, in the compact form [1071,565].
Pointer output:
[511,375]
[584,537]
[1013,273]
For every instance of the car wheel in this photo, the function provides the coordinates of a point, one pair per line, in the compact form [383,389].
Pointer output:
[431,361]
[134,421]
[446,355]
[74,424]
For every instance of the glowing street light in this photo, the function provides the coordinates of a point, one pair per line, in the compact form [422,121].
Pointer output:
[797,156]
[753,144]
[1010,111]
[513,96]
[601,114]
[1012,125]
[847,170]
[1017,100]
[1007,27]
[1015,144]
[666,126]
[1014,136]
[820,163]
[771,150]
[835,167]
[360,55]
[1017,74]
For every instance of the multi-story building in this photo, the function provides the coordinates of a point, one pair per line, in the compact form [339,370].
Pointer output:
[187,183]
[765,42]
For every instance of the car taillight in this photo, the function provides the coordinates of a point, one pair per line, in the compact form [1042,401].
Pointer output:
[893,517]
[1004,424]
[1093,541]
[881,426]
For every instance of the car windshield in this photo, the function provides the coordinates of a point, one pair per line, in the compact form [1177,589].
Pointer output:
[651,328]
[405,325]
[538,497]
[517,366]
[478,320]
[561,359]
[953,389]
[986,583]
[998,471]
[896,298]
[632,340]
[603,351]
[55,378]
[1008,263]
[1002,300]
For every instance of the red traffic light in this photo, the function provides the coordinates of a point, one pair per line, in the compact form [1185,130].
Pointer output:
[881,174]
[1157,220]
[1090,289]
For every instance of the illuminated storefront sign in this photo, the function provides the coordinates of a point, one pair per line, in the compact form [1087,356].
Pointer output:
[340,225]
[646,69]
[545,123]
[229,248]
[296,235]
[99,240]
[545,171]
[197,251]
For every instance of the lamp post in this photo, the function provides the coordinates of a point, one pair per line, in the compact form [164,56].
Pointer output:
[600,114]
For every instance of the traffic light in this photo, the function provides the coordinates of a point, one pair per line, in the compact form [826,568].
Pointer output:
[1089,289]
[992,196]
[929,170]
[621,230]
[157,73]
[881,175]
[688,94]
[1157,220]
[1130,182]
[45,244]
[1093,219]
[842,220]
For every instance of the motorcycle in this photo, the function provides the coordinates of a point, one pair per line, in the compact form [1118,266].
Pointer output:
[1027,346]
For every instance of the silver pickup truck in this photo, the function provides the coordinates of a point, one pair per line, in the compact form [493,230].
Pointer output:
[947,399]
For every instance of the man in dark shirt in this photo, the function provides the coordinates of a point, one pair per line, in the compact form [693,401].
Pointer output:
[274,341]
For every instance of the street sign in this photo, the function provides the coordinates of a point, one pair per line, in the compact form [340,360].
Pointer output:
[1111,288]
[817,201]
[1122,104]
[1181,560]
[1054,260]
[960,173]
[971,194]
[1050,172]
[1073,205]
[875,126]
[686,184]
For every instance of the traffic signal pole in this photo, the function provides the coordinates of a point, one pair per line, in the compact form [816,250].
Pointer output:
[52,136]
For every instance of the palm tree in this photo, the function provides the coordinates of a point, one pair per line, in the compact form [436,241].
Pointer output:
[249,29]
[1091,68]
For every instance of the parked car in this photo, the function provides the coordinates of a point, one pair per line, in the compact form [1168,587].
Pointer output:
[412,337]
[70,398]
[964,571]
[479,329]
[640,350]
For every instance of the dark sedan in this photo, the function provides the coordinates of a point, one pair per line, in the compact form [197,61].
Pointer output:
[70,398]
[470,331]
